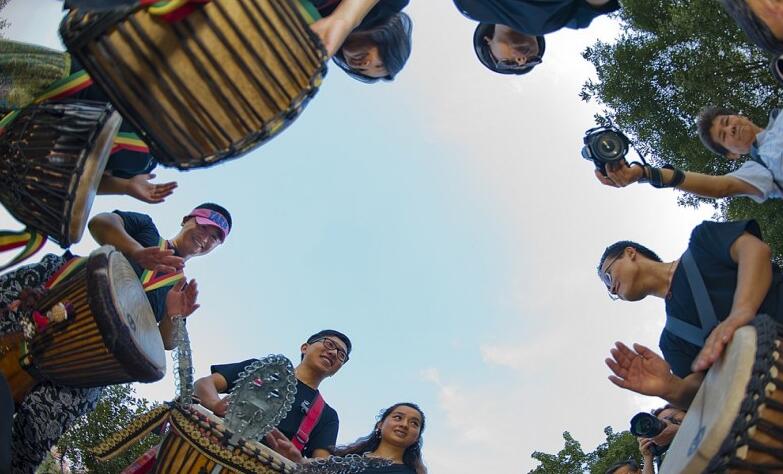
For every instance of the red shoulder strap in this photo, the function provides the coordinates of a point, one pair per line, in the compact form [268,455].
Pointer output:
[302,435]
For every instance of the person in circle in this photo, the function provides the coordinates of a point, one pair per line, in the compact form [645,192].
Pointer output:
[396,436]
[368,39]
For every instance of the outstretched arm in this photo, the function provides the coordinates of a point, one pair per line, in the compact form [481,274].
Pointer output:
[334,28]
[643,371]
[754,277]
[138,187]
[620,174]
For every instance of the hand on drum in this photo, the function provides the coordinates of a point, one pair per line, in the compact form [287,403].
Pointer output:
[221,408]
[181,299]
[332,31]
[640,370]
[716,342]
[282,445]
[159,260]
[141,188]
[620,174]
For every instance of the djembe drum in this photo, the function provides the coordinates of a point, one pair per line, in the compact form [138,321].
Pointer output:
[207,87]
[52,158]
[111,337]
[735,422]
[199,442]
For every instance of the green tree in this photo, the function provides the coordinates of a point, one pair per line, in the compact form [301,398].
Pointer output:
[116,408]
[672,58]
[573,460]
[3,22]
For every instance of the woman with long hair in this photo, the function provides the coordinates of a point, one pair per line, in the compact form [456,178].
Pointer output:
[368,39]
[397,437]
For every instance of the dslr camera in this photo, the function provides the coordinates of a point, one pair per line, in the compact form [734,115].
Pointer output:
[605,144]
[645,425]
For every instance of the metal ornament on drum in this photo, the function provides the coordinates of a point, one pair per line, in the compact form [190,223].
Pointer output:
[262,397]
[735,422]
[204,88]
[110,338]
[52,158]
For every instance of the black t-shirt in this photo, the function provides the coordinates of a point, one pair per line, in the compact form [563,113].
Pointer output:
[379,13]
[143,230]
[324,434]
[393,469]
[710,246]
[535,17]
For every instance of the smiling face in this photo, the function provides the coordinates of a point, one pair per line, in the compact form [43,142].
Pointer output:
[363,56]
[402,427]
[196,239]
[735,133]
[323,356]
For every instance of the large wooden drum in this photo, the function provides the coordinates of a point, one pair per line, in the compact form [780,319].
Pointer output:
[111,338]
[207,87]
[199,442]
[735,422]
[52,158]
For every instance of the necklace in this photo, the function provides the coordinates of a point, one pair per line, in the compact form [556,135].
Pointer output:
[671,277]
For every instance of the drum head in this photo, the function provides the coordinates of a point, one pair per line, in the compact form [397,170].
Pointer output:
[98,155]
[715,407]
[131,334]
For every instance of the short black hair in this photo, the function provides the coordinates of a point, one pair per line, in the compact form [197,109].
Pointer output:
[217,208]
[756,30]
[618,247]
[333,333]
[630,463]
[392,36]
[707,116]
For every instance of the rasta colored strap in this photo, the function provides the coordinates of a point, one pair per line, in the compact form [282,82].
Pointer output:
[308,423]
[31,240]
[65,271]
[152,280]
[129,141]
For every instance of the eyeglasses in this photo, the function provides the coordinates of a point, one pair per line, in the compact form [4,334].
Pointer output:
[512,65]
[606,277]
[330,345]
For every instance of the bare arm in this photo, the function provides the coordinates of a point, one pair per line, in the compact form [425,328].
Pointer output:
[621,175]
[107,228]
[754,277]
[138,187]
[335,28]
[208,390]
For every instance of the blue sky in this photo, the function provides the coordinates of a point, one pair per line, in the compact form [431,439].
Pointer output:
[447,224]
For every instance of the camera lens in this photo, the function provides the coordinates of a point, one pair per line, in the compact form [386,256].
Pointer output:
[609,146]
[645,425]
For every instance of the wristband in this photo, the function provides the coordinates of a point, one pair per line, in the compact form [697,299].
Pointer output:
[655,177]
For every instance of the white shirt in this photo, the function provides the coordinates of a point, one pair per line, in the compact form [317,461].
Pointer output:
[769,146]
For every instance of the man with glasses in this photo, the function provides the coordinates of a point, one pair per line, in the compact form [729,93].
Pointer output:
[324,353]
[737,279]
[509,38]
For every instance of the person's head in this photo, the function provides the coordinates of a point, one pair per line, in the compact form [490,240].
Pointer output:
[625,467]
[203,229]
[506,51]
[761,20]
[619,269]
[326,351]
[377,52]
[401,426]
[673,417]
[725,132]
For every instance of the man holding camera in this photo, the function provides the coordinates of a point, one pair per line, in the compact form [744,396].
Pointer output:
[731,135]
[726,269]
[655,433]
[509,38]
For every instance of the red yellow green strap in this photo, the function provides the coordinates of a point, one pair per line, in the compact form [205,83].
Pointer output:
[152,280]
[65,87]
[65,271]
[129,141]
[308,11]
[30,239]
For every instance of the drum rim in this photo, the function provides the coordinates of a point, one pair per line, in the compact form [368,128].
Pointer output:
[142,365]
[86,184]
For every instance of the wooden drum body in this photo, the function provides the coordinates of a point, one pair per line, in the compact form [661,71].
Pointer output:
[111,338]
[198,442]
[208,87]
[735,422]
[52,158]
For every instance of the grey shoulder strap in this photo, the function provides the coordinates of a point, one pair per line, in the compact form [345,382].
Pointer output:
[704,307]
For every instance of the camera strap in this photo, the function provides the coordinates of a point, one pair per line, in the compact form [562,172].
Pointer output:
[686,331]
[755,156]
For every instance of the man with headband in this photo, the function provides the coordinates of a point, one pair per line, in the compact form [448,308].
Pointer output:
[510,36]
[49,409]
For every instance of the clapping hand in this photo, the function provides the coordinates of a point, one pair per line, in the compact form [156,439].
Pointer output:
[159,260]
[640,370]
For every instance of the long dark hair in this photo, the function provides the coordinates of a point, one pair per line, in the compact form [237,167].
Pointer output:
[392,35]
[412,455]
[753,26]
